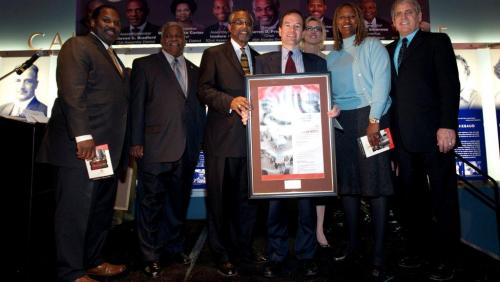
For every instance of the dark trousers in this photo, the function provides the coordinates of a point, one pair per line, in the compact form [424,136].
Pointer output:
[84,213]
[230,214]
[378,213]
[163,199]
[430,208]
[277,230]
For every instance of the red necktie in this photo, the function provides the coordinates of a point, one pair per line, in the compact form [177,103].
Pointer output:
[290,65]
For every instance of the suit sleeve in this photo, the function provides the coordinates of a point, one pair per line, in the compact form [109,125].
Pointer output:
[208,91]
[73,70]
[447,80]
[138,94]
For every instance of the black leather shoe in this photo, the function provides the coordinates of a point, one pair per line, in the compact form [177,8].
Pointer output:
[152,269]
[378,274]
[227,269]
[441,272]
[410,262]
[273,269]
[309,268]
[259,258]
[181,258]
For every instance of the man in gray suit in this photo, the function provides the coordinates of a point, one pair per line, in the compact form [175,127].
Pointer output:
[91,109]
[167,122]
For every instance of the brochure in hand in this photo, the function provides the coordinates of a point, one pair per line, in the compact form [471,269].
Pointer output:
[100,166]
[386,143]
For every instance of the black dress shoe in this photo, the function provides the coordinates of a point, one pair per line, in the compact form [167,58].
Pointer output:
[379,274]
[441,272]
[181,258]
[152,269]
[309,268]
[227,269]
[259,258]
[273,269]
[410,262]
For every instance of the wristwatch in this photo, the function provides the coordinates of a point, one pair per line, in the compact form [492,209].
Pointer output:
[374,120]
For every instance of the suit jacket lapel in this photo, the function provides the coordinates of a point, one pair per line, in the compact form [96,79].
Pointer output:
[275,63]
[253,54]
[233,59]
[190,74]
[105,53]
[170,72]
[308,65]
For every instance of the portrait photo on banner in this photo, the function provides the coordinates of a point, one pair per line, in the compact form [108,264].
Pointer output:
[29,90]
[206,21]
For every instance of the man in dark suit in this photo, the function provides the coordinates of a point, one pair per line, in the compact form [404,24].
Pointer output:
[137,12]
[91,109]
[230,214]
[377,27]
[139,29]
[290,60]
[267,13]
[26,98]
[317,9]
[425,92]
[167,122]
[218,32]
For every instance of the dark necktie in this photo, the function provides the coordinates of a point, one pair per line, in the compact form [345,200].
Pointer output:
[244,62]
[402,51]
[178,74]
[290,64]
[135,30]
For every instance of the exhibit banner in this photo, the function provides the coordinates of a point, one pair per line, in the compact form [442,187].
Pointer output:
[207,21]
[495,56]
[470,118]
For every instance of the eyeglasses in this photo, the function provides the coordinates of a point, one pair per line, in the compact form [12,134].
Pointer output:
[314,28]
[241,22]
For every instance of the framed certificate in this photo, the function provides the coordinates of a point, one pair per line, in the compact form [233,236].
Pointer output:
[291,147]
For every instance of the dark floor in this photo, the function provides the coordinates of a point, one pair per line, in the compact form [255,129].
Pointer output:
[472,265]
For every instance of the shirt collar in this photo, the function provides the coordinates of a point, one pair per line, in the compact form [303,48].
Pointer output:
[141,27]
[103,43]
[237,46]
[409,36]
[171,58]
[284,52]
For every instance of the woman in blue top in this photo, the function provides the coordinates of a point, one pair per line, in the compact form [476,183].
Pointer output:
[360,76]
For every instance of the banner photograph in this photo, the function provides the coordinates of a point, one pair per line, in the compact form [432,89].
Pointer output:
[207,21]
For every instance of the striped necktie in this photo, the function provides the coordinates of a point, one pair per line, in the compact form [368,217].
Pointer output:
[244,62]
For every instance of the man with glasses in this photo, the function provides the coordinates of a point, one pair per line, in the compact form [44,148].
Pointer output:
[426,93]
[290,60]
[230,214]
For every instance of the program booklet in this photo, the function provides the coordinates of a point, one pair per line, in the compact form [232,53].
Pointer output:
[386,143]
[100,166]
